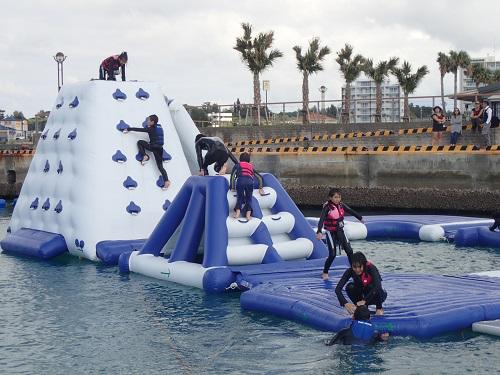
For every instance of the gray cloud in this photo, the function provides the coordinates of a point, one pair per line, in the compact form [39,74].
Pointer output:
[187,46]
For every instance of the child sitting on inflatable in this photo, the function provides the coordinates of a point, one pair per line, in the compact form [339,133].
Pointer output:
[366,287]
[332,217]
[155,145]
[217,153]
[243,174]
[360,332]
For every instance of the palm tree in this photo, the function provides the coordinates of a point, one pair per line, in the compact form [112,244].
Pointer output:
[494,76]
[351,67]
[309,63]
[409,82]
[444,67]
[378,73]
[458,59]
[479,74]
[255,56]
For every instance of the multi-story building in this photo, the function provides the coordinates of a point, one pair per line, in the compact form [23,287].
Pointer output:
[363,101]
[467,83]
[19,126]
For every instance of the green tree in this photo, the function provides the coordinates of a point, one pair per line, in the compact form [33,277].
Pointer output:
[494,76]
[255,55]
[198,115]
[444,67]
[458,60]
[308,64]
[378,73]
[351,67]
[409,82]
[479,74]
[18,115]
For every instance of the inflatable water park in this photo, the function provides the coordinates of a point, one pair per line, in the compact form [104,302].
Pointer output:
[88,194]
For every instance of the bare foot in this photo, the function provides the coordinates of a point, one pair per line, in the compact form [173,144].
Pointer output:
[236,214]
[249,216]
[324,276]
[166,185]
[379,312]
[144,159]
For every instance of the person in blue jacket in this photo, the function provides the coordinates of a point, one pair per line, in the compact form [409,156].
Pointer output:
[155,145]
[360,332]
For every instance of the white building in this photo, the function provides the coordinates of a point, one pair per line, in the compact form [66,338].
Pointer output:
[363,101]
[467,83]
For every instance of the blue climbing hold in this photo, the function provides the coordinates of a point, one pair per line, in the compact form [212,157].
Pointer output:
[81,244]
[129,183]
[139,157]
[166,156]
[56,134]
[46,205]
[166,205]
[160,182]
[44,135]
[9,230]
[59,207]
[141,94]
[34,204]
[72,135]
[47,166]
[74,103]
[118,95]
[60,168]
[119,157]
[77,244]
[122,125]
[60,104]
[145,123]
[133,209]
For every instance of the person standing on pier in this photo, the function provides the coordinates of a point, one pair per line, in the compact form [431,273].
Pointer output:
[438,127]
[487,116]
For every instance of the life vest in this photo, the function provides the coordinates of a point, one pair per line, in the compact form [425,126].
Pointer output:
[158,136]
[366,278]
[476,113]
[246,169]
[334,216]
[485,114]
[362,332]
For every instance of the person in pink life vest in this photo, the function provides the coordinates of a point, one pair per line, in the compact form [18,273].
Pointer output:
[332,218]
[365,288]
[242,177]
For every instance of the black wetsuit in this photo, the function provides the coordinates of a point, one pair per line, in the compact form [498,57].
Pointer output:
[496,224]
[367,287]
[217,153]
[358,333]
[335,234]
[155,145]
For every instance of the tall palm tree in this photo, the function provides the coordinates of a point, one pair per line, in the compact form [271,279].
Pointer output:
[378,73]
[479,74]
[255,55]
[444,67]
[351,67]
[458,60]
[409,82]
[309,63]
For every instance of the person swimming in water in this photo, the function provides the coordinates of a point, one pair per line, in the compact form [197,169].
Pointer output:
[360,332]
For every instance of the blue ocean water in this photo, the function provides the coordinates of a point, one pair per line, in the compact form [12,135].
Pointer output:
[71,316]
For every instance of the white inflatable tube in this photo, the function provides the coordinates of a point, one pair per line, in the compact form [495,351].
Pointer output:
[355,230]
[490,327]
[431,233]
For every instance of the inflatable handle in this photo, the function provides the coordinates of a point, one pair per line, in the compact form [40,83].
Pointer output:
[46,205]
[46,168]
[44,135]
[74,103]
[119,157]
[129,183]
[72,135]
[59,105]
[133,209]
[122,125]
[118,95]
[166,205]
[60,168]
[34,204]
[166,156]
[59,207]
[141,94]
[56,134]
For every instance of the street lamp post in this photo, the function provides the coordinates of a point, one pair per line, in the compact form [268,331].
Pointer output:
[266,84]
[322,90]
[59,59]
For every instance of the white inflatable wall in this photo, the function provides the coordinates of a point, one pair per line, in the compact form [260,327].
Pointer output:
[90,186]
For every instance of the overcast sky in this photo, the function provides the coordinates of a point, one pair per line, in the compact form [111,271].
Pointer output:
[187,45]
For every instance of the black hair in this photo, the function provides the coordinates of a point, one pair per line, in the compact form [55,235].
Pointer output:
[334,191]
[362,313]
[485,101]
[359,258]
[457,109]
[154,118]
[434,109]
[245,156]
[198,137]
[124,56]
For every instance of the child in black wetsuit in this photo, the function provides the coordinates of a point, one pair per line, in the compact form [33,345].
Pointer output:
[242,178]
[365,288]
[496,224]
[217,153]
[332,217]
[155,145]
[360,332]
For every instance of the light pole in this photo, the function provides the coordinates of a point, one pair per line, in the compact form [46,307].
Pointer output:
[266,85]
[322,90]
[59,59]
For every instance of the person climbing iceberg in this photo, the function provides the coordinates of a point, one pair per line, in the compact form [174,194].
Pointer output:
[217,153]
[110,67]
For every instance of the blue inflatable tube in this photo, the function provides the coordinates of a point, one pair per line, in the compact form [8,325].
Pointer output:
[34,243]
[392,229]
[477,236]
[109,251]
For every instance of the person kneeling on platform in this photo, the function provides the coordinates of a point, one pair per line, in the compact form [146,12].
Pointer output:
[366,287]
[217,153]
[360,332]
[243,174]
[496,224]
[155,145]
[332,217]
